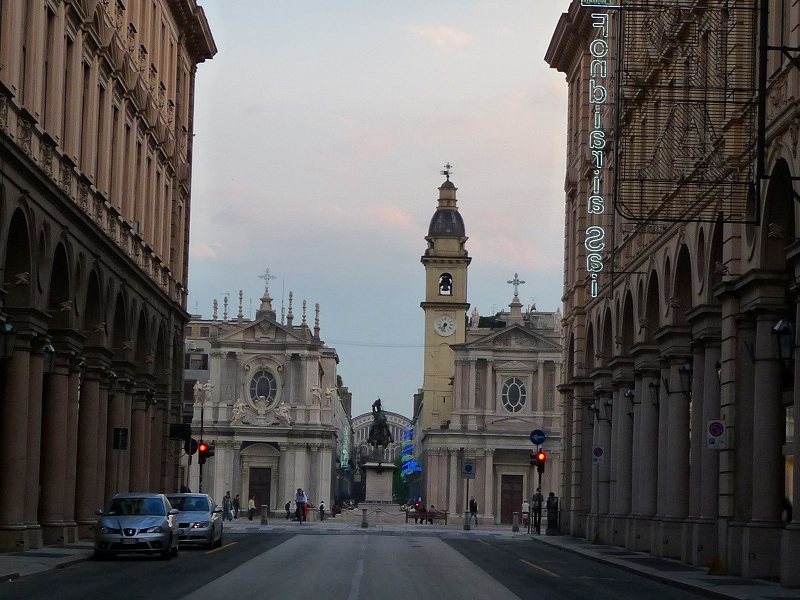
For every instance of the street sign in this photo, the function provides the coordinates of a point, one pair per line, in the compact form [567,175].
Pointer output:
[716,435]
[597,455]
[537,437]
[120,438]
[468,468]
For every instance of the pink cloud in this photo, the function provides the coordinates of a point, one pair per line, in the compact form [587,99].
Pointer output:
[443,37]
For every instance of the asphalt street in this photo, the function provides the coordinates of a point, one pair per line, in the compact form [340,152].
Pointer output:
[347,567]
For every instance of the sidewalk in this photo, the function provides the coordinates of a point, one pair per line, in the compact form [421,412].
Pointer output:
[667,571]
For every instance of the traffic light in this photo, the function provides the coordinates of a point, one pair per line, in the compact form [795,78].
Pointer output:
[541,457]
[205,451]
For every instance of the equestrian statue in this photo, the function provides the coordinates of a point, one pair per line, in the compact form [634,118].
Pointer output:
[379,432]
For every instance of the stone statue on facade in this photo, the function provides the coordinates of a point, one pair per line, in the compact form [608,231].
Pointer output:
[282,413]
[316,395]
[379,432]
[261,406]
[239,412]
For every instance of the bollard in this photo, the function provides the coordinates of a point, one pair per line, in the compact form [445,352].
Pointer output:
[264,513]
[466,520]
[515,525]
[364,523]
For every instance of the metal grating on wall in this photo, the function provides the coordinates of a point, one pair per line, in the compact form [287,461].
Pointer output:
[687,110]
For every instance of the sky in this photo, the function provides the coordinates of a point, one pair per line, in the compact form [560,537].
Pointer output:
[321,128]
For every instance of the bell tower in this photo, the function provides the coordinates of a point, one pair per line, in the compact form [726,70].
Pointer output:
[445,306]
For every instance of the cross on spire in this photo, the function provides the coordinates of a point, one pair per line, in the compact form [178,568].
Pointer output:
[516,282]
[448,170]
[267,276]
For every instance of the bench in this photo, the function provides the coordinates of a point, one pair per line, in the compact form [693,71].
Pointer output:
[426,515]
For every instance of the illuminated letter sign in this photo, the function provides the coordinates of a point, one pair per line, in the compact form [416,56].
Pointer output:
[602,3]
[598,96]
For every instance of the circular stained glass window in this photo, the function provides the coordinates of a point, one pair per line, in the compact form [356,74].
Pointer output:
[263,384]
[514,394]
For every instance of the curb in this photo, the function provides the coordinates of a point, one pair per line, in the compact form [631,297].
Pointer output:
[9,576]
[703,591]
[72,561]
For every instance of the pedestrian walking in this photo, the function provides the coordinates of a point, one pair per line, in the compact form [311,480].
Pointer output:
[538,499]
[251,508]
[300,501]
[473,511]
[237,505]
[227,504]
[526,515]
[322,510]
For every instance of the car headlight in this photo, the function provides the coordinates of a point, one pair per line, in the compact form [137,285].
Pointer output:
[200,525]
[105,529]
[156,529]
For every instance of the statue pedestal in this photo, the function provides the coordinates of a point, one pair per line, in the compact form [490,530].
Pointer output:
[379,482]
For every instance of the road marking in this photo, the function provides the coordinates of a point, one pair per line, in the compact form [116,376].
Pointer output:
[482,542]
[355,584]
[540,568]
[220,548]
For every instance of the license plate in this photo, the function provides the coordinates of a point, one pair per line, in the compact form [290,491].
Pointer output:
[129,541]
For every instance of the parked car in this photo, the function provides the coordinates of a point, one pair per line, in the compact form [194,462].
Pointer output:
[139,524]
[199,519]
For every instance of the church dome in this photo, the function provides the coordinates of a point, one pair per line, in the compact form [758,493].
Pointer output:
[447,221]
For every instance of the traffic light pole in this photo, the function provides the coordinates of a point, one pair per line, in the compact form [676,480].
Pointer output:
[199,462]
[538,449]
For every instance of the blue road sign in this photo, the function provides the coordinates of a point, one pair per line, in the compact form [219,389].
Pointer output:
[537,437]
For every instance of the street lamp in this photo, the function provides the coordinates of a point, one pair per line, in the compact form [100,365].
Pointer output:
[8,338]
[112,384]
[655,389]
[608,405]
[685,372]
[630,396]
[784,342]
[49,359]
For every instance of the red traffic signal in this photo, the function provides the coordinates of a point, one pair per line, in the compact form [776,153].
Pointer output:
[541,457]
[202,448]
[204,452]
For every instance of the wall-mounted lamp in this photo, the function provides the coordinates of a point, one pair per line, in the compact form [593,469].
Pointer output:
[594,409]
[718,366]
[8,339]
[784,337]
[112,384]
[630,396]
[608,407]
[49,359]
[655,389]
[685,373]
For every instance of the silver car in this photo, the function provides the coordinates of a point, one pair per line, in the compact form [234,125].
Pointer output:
[199,519]
[137,523]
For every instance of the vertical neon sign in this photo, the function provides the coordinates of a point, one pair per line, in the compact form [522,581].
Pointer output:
[594,241]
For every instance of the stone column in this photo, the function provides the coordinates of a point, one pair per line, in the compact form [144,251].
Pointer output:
[114,480]
[72,452]
[647,450]
[488,498]
[471,422]
[36,38]
[697,440]
[583,449]
[86,477]
[137,444]
[458,397]
[158,441]
[14,444]
[704,541]
[742,432]
[13,15]
[53,482]
[761,541]
[284,492]
[677,479]
[640,395]
[101,443]
[595,502]
[614,411]
[453,475]
[662,481]
[539,406]
[604,470]
[31,501]
[623,459]
[490,386]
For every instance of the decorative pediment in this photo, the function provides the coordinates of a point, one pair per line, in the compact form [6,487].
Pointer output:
[516,336]
[261,330]
[261,414]
[515,365]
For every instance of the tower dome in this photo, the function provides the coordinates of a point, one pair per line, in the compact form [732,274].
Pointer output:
[447,221]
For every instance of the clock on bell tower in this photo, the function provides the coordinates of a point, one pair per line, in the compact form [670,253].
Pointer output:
[446,261]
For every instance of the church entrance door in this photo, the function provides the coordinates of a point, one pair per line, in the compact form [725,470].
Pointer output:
[260,480]
[510,497]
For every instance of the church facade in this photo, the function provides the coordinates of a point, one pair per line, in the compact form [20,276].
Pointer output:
[488,383]
[273,409]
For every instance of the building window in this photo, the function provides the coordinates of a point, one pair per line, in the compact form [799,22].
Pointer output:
[195,362]
[205,331]
[514,394]
[263,384]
